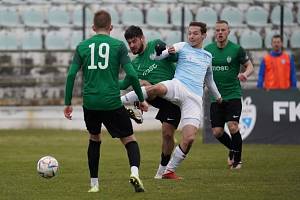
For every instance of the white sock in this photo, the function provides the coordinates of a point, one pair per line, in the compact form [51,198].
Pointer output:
[94,182]
[177,157]
[161,169]
[131,97]
[134,171]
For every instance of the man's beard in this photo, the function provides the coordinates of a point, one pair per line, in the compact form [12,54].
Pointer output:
[141,49]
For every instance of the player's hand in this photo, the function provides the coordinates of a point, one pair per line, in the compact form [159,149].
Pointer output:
[68,112]
[144,83]
[143,106]
[219,100]
[242,77]
[159,48]
[171,50]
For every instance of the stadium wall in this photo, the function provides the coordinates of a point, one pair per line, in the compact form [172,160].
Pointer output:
[52,117]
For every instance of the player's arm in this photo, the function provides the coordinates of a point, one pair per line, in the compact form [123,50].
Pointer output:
[160,47]
[125,83]
[211,85]
[293,72]
[131,77]
[163,52]
[75,66]
[245,61]
[261,74]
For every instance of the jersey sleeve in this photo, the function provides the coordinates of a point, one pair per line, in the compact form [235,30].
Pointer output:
[178,46]
[124,58]
[293,72]
[210,83]
[74,68]
[132,79]
[242,55]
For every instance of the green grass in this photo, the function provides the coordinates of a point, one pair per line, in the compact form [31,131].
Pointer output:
[269,171]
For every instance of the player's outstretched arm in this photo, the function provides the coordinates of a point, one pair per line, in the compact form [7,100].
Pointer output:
[162,52]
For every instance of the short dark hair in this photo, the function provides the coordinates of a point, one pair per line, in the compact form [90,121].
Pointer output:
[102,19]
[201,25]
[221,21]
[132,32]
[277,36]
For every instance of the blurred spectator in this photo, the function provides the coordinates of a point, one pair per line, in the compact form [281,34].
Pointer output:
[277,69]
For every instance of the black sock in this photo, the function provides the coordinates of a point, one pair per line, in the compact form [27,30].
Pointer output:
[237,143]
[226,140]
[164,159]
[133,153]
[93,158]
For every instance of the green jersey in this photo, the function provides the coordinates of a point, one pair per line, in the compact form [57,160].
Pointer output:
[226,67]
[100,58]
[154,71]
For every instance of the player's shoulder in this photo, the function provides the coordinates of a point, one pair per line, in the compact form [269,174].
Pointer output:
[210,46]
[155,41]
[233,45]
[207,53]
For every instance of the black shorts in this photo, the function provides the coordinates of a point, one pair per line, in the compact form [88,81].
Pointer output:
[226,111]
[168,112]
[117,122]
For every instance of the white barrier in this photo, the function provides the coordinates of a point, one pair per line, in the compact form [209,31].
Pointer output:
[52,117]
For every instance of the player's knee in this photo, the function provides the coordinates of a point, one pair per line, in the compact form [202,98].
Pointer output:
[94,137]
[128,139]
[168,131]
[167,135]
[189,139]
[233,127]
[156,90]
[217,132]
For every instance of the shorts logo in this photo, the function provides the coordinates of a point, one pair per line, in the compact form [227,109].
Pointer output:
[170,119]
[247,119]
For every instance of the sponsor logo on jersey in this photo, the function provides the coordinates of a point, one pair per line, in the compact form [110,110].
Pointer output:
[150,69]
[220,68]
[247,119]
[228,59]
[283,61]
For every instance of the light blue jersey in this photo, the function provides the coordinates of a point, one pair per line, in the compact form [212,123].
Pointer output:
[192,66]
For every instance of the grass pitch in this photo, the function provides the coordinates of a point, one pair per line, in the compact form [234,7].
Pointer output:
[269,171]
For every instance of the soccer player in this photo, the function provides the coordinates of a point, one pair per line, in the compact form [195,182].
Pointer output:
[186,89]
[151,72]
[100,58]
[226,61]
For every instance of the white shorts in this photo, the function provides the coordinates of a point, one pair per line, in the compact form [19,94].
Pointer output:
[190,104]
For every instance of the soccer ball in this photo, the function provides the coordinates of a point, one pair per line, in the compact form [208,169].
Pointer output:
[47,167]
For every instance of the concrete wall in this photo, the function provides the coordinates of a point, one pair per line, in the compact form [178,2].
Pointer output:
[46,117]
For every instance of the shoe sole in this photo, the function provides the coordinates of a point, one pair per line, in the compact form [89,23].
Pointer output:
[236,167]
[136,184]
[93,191]
[172,178]
[132,116]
